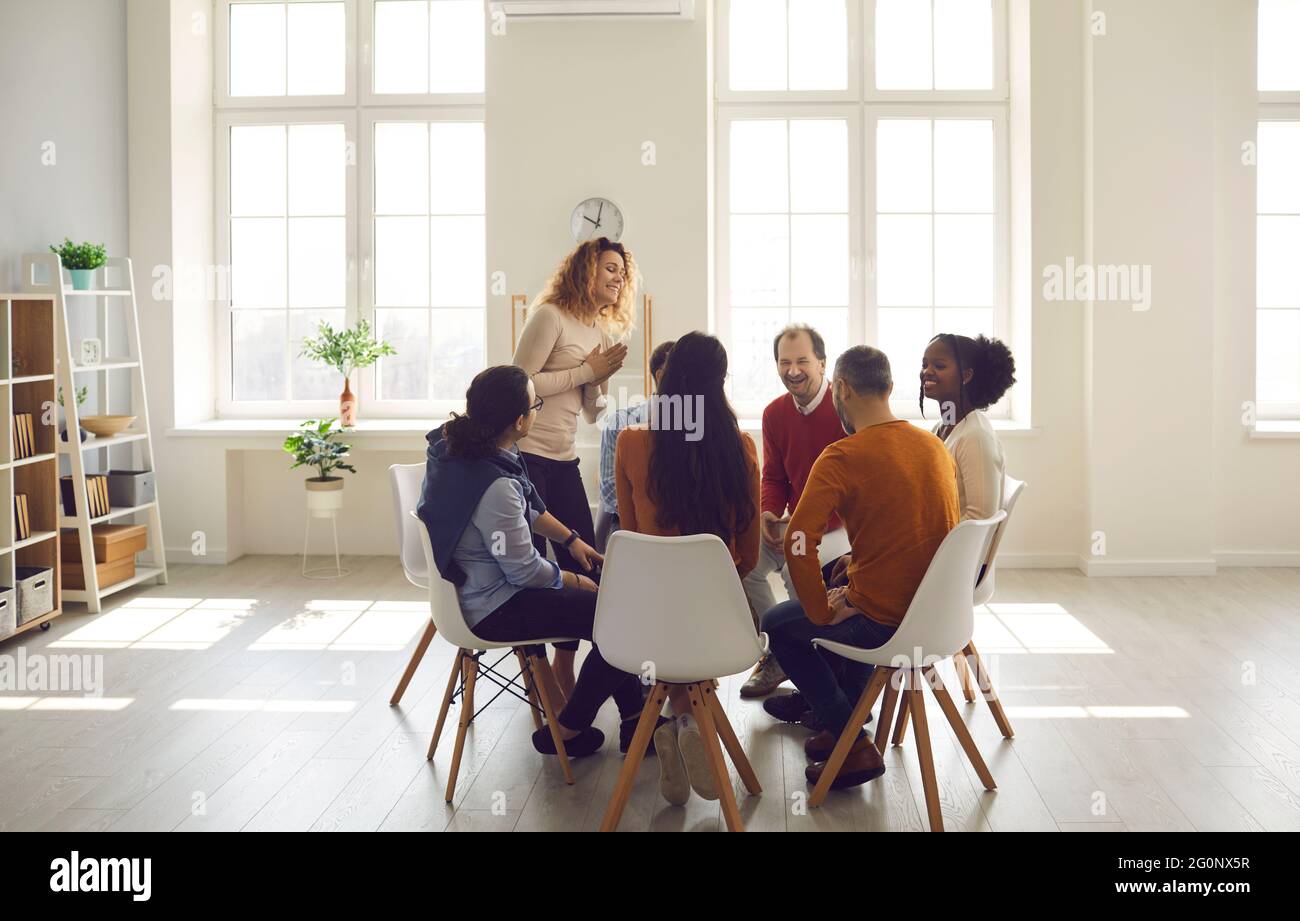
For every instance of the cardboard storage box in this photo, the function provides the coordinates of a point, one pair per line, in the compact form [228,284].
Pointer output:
[107,573]
[35,589]
[113,542]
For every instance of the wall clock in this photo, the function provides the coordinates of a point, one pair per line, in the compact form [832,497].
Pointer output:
[596,217]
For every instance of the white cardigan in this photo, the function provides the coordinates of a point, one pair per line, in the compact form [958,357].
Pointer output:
[981,465]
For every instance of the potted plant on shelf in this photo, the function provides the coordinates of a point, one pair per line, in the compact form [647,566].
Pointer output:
[316,445]
[81,260]
[81,398]
[346,350]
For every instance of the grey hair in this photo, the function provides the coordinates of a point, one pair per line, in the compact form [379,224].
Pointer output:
[865,369]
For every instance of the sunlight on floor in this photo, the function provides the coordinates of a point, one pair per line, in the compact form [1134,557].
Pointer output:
[357,626]
[1036,628]
[262,705]
[1104,713]
[161,623]
[65,703]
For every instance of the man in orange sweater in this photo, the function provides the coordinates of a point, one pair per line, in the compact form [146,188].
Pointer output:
[895,488]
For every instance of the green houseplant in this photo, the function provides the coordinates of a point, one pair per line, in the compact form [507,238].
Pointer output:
[346,350]
[81,260]
[317,445]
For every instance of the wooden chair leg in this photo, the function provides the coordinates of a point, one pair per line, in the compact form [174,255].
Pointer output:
[713,754]
[542,668]
[888,703]
[921,731]
[963,676]
[904,706]
[990,695]
[446,703]
[411,666]
[527,674]
[848,736]
[470,666]
[645,728]
[959,727]
[729,740]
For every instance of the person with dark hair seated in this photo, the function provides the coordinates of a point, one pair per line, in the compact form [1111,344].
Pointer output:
[612,425]
[894,487]
[965,377]
[482,512]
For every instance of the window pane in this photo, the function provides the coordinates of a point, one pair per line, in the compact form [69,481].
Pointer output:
[456,52]
[903,164]
[759,168]
[964,321]
[402,261]
[257,170]
[1278,243]
[819,165]
[903,45]
[963,165]
[257,340]
[963,260]
[257,49]
[456,164]
[404,376]
[904,261]
[903,334]
[459,265]
[312,380]
[1279,167]
[1279,64]
[833,324]
[1278,356]
[318,262]
[317,49]
[317,170]
[749,360]
[402,168]
[401,46]
[819,48]
[757,45]
[819,260]
[257,262]
[963,44]
[760,260]
[458,352]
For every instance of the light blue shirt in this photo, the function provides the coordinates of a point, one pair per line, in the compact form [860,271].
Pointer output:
[496,552]
[614,424]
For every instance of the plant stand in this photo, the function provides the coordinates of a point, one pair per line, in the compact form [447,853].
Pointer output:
[338,572]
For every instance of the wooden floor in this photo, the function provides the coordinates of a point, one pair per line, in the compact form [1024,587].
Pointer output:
[246,697]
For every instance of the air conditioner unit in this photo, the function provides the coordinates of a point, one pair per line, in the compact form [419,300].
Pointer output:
[523,10]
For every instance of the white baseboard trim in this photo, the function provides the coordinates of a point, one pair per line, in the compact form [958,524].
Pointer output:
[214,557]
[1128,568]
[1038,561]
[1239,558]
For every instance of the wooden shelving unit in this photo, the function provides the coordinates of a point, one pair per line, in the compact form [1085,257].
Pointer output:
[28,323]
[42,275]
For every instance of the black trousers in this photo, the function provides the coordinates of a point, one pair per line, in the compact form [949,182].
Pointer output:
[539,613]
[560,485]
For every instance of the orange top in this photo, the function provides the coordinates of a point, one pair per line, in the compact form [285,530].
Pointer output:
[638,512]
[895,488]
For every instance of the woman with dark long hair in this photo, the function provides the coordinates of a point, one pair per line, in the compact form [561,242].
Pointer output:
[482,512]
[690,470]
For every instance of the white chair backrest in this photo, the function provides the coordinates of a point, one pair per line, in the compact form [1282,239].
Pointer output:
[941,619]
[444,605]
[406,480]
[674,604]
[1011,490]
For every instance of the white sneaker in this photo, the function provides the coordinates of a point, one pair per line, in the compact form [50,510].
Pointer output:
[767,677]
[697,765]
[673,784]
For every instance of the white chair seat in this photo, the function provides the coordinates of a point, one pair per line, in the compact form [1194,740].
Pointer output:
[865,656]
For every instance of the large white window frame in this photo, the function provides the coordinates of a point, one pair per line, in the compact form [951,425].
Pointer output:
[1274,112]
[357,109]
[864,106]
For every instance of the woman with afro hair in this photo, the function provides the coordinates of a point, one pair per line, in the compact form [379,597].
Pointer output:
[966,376]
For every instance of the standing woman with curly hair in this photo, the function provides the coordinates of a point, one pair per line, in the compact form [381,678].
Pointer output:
[965,377]
[570,348]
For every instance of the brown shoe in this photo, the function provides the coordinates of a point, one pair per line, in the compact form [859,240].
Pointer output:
[818,747]
[862,765]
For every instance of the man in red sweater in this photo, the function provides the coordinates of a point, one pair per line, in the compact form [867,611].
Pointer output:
[797,426]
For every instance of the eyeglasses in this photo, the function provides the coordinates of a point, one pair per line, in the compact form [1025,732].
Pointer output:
[536,406]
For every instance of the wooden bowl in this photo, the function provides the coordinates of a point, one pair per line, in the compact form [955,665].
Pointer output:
[106,426]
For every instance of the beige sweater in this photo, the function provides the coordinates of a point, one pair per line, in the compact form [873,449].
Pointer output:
[981,465]
[553,349]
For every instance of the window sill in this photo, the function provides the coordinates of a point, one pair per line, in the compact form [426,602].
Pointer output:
[1276,429]
[269,434]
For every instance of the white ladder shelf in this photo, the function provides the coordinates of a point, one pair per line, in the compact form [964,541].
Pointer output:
[139,435]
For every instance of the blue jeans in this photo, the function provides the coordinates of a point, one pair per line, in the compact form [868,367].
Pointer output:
[831,684]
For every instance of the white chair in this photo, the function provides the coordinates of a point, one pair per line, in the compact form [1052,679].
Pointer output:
[406,481]
[938,623]
[444,609]
[672,608]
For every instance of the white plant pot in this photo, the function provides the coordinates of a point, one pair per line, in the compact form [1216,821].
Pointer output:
[324,497]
